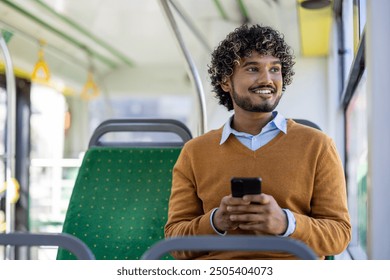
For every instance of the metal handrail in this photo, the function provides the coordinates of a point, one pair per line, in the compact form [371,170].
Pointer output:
[10,139]
[190,25]
[191,65]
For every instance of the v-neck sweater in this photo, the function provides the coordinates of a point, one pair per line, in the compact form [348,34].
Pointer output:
[300,169]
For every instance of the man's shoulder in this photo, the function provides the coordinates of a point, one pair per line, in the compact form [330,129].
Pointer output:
[303,127]
[307,132]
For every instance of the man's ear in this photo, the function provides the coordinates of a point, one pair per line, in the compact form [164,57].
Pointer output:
[226,85]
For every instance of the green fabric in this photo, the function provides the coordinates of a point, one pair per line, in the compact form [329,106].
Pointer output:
[120,200]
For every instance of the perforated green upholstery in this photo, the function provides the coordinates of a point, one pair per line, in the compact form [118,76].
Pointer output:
[119,202]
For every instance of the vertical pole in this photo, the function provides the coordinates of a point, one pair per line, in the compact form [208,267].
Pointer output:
[191,65]
[10,143]
[378,61]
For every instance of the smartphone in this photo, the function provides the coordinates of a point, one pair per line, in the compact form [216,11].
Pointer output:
[245,185]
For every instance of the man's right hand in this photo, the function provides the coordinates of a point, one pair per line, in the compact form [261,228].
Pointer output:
[221,219]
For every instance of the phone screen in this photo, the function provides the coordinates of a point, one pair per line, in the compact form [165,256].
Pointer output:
[241,186]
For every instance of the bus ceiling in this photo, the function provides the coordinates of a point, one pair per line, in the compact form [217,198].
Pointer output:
[127,34]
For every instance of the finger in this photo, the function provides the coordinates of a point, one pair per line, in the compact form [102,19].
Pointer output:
[238,201]
[252,227]
[258,227]
[226,201]
[265,198]
[257,198]
[250,208]
[246,218]
[221,220]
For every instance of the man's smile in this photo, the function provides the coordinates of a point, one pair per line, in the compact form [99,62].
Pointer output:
[263,90]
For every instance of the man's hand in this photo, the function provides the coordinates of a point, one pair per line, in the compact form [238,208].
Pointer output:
[259,213]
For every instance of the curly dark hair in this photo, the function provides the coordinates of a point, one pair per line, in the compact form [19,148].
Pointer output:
[240,43]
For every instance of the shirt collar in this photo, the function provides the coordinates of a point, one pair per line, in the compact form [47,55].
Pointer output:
[278,121]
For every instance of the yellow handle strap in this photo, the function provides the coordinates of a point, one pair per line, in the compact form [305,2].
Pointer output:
[41,72]
[90,89]
[13,188]
[2,222]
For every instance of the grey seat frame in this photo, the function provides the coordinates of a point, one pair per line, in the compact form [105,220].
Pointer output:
[140,125]
[230,243]
[63,240]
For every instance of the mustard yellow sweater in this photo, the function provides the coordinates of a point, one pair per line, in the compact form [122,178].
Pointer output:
[300,169]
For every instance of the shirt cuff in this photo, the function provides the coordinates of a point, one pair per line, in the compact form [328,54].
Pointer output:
[212,224]
[291,223]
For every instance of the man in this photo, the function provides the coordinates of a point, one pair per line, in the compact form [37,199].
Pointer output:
[303,186]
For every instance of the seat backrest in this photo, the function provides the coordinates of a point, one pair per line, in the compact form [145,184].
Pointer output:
[313,125]
[307,123]
[119,203]
[230,243]
[150,131]
[62,240]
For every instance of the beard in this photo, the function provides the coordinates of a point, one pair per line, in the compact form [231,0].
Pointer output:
[247,104]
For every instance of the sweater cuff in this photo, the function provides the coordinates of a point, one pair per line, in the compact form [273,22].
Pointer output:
[291,223]
[212,224]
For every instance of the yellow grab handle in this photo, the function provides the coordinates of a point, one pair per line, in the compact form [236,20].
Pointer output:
[90,89]
[13,188]
[41,72]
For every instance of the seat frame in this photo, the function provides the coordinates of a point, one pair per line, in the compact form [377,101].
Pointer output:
[229,243]
[63,240]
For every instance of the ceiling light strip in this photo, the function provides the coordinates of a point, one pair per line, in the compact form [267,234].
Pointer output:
[68,38]
[80,29]
[244,11]
[220,9]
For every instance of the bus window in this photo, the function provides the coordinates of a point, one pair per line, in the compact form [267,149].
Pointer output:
[170,107]
[356,152]
[51,175]
[356,133]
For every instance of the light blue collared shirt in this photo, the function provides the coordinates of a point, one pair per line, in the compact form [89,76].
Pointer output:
[270,131]
[254,142]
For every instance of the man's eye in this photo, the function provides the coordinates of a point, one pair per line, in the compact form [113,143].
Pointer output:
[275,69]
[252,69]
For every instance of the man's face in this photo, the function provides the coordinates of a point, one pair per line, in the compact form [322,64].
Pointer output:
[256,83]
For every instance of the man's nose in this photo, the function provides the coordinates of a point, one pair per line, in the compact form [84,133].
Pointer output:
[264,77]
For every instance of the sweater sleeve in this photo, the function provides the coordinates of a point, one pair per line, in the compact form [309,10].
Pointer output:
[186,215]
[327,230]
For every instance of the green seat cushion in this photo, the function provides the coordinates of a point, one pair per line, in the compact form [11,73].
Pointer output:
[119,203]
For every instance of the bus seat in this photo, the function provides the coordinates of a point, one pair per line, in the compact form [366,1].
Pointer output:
[307,122]
[147,133]
[119,203]
[314,125]
[229,243]
[62,240]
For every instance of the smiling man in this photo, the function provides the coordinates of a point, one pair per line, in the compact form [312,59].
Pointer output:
[303,186]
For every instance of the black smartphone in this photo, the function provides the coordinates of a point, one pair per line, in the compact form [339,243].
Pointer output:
[249,185]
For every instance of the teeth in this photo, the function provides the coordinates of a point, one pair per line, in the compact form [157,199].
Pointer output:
[263,91]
